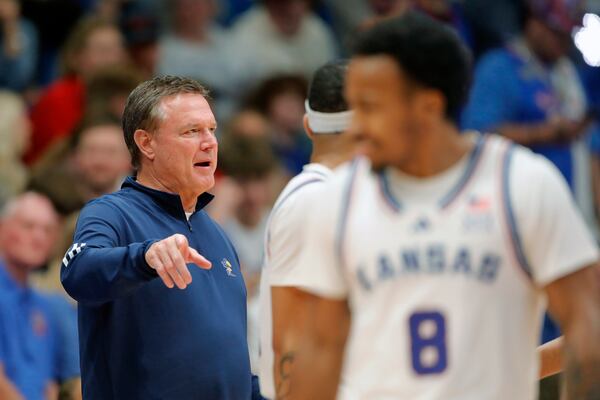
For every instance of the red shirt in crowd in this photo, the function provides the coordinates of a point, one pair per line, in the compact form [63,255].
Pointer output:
[55,115]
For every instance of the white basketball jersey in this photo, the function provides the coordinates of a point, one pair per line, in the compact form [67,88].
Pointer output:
[444,275]
[283,245]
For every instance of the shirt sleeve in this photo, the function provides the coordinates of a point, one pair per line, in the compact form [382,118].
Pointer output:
[555,239]
[491,101]
[97,268]
[285,238]
[320,262]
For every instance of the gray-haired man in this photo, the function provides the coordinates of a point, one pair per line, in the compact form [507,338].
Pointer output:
[139,337]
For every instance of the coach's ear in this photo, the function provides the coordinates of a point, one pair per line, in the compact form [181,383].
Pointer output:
[143,140]
[307,129]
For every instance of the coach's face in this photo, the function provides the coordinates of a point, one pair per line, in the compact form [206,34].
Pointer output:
[184,145]
[384,117]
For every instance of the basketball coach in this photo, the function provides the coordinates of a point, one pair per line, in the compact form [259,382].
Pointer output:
[162,301]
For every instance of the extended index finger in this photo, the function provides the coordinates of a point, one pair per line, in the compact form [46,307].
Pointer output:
[196,258]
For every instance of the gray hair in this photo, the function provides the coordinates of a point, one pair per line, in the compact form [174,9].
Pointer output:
[11,205]
[142,110]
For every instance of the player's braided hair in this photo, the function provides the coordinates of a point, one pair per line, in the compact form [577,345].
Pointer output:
[142,110]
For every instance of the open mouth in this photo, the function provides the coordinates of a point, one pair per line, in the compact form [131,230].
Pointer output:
[202,164]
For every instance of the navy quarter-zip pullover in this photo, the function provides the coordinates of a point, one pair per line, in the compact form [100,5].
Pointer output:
[139,339]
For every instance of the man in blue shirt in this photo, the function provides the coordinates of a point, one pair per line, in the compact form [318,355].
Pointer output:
[36,334]
[139,337]
[530,91]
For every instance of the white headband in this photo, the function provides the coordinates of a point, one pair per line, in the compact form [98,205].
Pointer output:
[327,123]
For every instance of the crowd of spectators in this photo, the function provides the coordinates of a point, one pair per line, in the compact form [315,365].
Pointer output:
[67,66]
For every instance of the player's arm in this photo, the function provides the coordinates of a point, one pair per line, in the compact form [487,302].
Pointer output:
[316,367]
[309,307]
[96,269]
[562,257]
[574,301]
[289,312]
[309,335]
[550,354]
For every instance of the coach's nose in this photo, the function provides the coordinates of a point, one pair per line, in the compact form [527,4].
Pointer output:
[209,141]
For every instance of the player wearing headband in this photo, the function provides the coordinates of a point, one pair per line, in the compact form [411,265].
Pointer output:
[327,117]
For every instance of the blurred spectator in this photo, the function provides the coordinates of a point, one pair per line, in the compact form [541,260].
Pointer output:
[250,123]
[97,161]
[347,17]
[530,91]
[250,162]
[15,131]
[351,16]
[281,100]
[246,123]
[93,44]
[229,10]
[449,12]
[591,81]
[494,23]
[107,90]
[106,9]
[140,24]
[38,338]
[382,9]
[198,48]
[106,93]
[388,8]
[18,47]
[284,36]
[54,19]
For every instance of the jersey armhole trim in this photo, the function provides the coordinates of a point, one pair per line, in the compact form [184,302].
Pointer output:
[344,214]
[388,196]
[511,222]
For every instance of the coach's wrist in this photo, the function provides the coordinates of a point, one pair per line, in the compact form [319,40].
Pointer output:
[146,268]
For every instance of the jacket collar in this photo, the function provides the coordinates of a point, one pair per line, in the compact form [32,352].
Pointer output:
[170,201]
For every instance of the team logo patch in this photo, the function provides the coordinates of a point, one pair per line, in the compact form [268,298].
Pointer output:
[479,204]
[72,252]
[421,225]
[478,218]
[228,267]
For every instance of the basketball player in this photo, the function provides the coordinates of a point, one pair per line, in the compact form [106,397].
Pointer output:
[326,118]
[428,263]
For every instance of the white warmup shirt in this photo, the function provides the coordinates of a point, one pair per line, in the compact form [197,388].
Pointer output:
[283,245]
